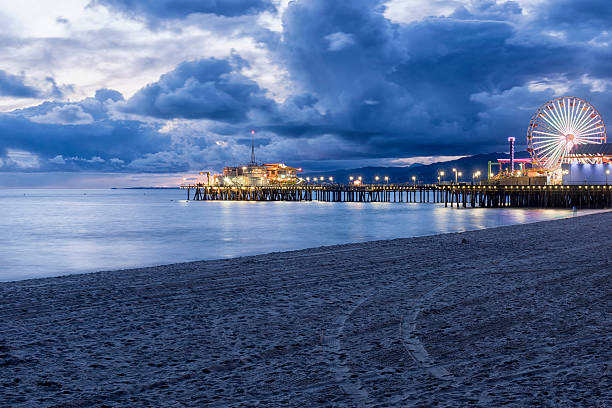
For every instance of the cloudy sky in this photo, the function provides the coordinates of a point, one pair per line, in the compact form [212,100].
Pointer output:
[112,92]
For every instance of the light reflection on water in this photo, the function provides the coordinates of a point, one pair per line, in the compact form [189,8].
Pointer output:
[57,232]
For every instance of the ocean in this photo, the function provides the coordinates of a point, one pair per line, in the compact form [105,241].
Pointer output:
[58,232]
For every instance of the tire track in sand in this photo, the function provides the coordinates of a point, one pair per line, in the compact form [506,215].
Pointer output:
[412,343]
[331,343]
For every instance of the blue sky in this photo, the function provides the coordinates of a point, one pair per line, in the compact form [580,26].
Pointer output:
[106,92]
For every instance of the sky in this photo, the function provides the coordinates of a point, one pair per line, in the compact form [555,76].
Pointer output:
[146,92]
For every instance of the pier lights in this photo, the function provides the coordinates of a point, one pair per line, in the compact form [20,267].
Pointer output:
[308,179]
[414,180]
[455,171]
[359,178]
[458,174]
[315,179]
[475,175]
[331,179]
[387,179]
[441,177]
[607,174]
[376,179]
[351,179]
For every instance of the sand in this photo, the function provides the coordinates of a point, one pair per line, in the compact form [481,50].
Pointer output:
[516,316]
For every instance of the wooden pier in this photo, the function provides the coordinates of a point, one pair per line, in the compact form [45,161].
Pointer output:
[466,196]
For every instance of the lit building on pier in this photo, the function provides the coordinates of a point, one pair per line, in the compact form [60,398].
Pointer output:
[281,173]
[254,174]
[258,175]
[588,164]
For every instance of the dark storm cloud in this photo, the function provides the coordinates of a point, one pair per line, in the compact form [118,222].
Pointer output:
[104,95]
[203,89]
[13,85]
[398,89]
[78,135]
[155,10]
[123,140]
[96,107]
[425,87]
[577,14]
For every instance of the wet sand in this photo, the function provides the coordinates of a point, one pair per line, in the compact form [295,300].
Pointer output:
[516,316]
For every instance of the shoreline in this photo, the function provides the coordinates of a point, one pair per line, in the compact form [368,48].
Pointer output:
[514,315]
[580,213]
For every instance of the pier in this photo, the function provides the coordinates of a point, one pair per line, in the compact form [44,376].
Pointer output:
[460,195]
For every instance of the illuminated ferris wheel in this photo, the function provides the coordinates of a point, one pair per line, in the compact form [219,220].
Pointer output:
[559,125]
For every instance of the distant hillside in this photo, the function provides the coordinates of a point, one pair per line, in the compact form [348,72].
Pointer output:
[424,173]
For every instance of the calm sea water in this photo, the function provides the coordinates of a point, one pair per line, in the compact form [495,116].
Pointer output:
[58,232]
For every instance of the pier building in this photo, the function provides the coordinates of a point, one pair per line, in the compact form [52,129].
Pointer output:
[254,174]
[589,164]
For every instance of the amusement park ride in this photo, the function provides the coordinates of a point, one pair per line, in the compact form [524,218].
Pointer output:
[562,131]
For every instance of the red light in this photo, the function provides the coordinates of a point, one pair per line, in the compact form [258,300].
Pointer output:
[252,132]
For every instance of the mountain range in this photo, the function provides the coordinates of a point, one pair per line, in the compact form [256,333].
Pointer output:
[424,173]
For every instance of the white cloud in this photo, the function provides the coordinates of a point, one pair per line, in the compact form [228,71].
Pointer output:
[407,161]
[559,86]
[21,159]
[35,18]
[339,41]
[273,20]
[65,115]
[596,84]
[102,49]
[94,159]
[407,11]
[59,159]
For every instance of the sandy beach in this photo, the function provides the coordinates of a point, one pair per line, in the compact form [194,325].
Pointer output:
[514,316]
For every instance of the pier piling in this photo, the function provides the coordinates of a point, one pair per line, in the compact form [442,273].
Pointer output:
[465,196]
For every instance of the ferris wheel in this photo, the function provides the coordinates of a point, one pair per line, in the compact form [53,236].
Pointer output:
[559,125]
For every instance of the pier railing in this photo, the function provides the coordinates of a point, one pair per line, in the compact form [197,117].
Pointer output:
[485,196]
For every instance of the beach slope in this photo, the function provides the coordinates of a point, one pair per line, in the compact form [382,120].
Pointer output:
[516,316]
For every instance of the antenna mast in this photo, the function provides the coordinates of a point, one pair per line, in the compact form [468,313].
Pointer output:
[253,162]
